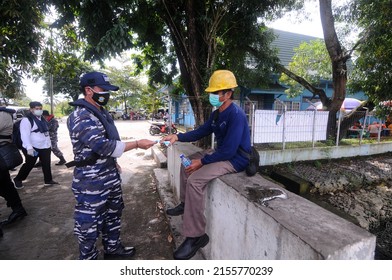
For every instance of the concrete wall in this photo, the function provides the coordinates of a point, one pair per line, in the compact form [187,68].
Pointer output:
[272,157]
[241,227]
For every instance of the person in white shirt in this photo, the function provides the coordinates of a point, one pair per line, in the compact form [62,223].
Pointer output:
[36,144]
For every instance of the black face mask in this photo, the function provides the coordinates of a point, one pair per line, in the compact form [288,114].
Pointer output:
[101,98]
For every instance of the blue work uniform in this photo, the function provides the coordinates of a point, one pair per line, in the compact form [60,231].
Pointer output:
[97,184]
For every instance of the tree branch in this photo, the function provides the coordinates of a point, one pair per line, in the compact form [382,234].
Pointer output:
[314,90]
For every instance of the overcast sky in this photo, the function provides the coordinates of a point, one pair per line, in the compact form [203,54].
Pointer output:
[307,23]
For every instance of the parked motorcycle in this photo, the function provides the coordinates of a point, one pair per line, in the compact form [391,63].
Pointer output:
[162,128]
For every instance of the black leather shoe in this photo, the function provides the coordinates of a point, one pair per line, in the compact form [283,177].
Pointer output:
[51,183]
[190,246]
[121,253]
[176,211]
[16,214]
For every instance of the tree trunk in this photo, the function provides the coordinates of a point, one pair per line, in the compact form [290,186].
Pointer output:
[190,52]
[339,67]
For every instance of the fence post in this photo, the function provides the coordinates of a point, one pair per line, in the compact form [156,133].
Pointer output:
[252,120]
[284,127]
[284,122]
[314,120]
[314,127]
[363,126]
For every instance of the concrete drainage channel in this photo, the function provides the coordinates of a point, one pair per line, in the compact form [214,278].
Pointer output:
[300,186]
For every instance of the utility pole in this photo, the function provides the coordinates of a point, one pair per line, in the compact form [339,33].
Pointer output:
[51,92]
[51,68]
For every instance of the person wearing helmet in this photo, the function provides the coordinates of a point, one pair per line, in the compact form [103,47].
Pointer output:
[230,127]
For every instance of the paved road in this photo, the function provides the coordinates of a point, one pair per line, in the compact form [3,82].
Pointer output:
[47,232]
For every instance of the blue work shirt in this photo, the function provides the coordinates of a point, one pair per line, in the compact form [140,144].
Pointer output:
[231,131]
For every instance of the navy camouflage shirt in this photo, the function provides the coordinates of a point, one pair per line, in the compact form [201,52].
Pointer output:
[88,136]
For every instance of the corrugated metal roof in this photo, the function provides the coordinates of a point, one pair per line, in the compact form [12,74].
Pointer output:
[286,42]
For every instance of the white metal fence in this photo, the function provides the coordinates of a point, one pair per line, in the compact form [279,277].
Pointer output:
[270,126]
[291,126]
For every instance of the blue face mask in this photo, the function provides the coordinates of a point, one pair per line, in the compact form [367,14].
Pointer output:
[214,100]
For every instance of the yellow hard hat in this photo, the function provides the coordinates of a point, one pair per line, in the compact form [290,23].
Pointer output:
[221,79]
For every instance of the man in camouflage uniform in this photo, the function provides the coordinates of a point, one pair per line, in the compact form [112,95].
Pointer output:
[97,182]
[53,126]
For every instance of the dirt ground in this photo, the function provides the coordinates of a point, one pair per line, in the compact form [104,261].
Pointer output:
[358,189]
[47,232]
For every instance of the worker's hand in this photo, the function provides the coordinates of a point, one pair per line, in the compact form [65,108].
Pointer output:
[145,144]
[196,164]
[30,152]
[171,137]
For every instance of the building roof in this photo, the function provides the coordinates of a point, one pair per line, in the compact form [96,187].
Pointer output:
[286,42]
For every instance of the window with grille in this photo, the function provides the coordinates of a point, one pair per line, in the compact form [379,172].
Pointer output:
[290,106]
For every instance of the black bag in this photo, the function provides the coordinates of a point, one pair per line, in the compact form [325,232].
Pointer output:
[16,137]
[254,161]
[10,156]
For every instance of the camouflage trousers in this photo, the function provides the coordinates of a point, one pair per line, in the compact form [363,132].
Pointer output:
[98,212]
[55,148]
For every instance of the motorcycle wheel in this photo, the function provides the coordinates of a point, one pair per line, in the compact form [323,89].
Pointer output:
[154,131]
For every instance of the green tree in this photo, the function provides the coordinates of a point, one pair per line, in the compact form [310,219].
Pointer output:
[311,62]
[131,88]
[61,58]
[67,68]
[198,36]
[373,66]
[19,42]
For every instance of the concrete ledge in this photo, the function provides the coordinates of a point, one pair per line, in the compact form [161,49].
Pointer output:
[159,157]
[272,157]
[245,220]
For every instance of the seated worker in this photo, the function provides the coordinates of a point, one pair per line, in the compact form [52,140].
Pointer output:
[230,126]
